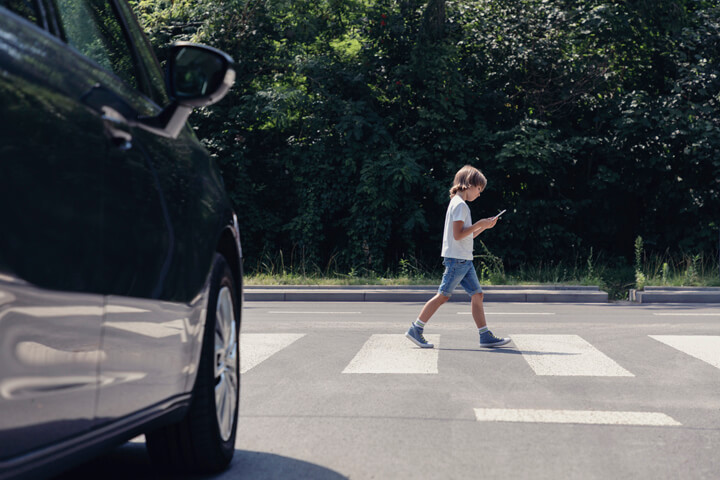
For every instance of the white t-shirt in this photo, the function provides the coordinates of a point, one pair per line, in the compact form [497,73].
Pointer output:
[457,210]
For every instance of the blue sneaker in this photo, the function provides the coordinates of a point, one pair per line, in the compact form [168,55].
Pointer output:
[487,339]
[415,334]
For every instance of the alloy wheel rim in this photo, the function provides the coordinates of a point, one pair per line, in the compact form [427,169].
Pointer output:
[226,355]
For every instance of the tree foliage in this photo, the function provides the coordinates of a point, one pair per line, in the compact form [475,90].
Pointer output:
[594,121]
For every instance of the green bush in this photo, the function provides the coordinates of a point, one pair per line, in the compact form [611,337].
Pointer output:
[594,121]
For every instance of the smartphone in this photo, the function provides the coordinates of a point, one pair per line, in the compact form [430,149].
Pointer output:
[498,215]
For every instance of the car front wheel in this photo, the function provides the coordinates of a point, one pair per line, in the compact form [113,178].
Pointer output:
[204,441]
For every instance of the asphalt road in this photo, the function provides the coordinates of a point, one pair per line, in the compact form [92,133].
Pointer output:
[334,390]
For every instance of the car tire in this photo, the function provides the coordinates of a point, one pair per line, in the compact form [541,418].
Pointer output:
[204,440]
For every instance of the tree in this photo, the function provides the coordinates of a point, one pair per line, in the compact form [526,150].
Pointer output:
[595,121]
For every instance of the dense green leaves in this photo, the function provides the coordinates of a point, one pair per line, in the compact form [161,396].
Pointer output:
[594,121]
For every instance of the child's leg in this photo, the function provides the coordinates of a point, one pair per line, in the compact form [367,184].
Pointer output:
[431,307]
[449,282]
[415,332]
[471,285]
[478,313]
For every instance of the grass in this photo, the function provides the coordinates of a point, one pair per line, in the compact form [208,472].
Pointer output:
[667,270]
[615,277]
[287,278]
[690,271]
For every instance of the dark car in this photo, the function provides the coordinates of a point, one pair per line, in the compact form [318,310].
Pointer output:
[120,258]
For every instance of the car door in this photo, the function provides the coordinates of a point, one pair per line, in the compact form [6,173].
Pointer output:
[147,337]
[52,153]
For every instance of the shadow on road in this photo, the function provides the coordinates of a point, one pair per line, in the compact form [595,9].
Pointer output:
[507,351]
[131,461]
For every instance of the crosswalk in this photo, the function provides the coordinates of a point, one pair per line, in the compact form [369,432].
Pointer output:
[702,347]
[546,355]
[566,355]
[390,354]
[255,348]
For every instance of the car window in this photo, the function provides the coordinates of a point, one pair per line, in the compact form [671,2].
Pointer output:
[143,49]
[92,27]
[25,8]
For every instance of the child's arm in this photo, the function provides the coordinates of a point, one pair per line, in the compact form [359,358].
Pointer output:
[460,232]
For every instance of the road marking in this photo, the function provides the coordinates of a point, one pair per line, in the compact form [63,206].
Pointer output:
[590,417]
[393,353]
[255,348]
[312,313]
[667,314]
[703,347]
[566,355]
[510,313]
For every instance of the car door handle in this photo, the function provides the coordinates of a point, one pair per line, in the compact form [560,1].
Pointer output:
[117,129]
[116,114]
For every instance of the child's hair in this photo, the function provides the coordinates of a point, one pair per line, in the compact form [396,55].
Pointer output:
[468,176]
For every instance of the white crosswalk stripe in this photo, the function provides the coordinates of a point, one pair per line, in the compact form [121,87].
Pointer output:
[566,355]
[393,353]
[255,348]
[590,417]
[703,347]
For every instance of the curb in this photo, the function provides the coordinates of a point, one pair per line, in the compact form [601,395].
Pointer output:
[676,295]
[421,293]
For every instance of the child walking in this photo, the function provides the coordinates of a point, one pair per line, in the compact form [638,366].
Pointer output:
[457,248]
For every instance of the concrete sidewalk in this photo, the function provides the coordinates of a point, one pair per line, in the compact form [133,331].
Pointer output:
[411,293]
[676,295]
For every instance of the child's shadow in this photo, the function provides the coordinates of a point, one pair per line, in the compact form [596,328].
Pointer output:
[507,351]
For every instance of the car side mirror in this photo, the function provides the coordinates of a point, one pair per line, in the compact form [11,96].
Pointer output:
[197,76]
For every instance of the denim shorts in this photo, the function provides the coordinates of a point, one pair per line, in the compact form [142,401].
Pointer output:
[460,272]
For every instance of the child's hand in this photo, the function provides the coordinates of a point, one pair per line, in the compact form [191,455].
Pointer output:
[486,223]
